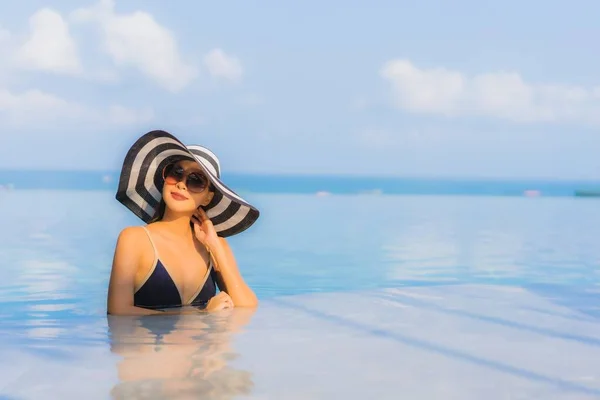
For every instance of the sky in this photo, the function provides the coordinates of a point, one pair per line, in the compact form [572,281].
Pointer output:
[427,88]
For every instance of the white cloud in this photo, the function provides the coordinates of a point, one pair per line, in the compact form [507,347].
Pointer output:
[137,40]
[503,95]
[221,65]
[31,101]
[37,108]
[49,45]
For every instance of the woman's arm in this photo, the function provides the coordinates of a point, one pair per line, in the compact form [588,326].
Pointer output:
[125,264]
[230,277]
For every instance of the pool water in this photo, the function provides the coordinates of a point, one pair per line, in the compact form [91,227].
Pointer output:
[361,295]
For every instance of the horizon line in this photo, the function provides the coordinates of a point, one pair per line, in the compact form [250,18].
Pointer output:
[327,175]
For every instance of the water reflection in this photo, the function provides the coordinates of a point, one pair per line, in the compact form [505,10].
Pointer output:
[178,357]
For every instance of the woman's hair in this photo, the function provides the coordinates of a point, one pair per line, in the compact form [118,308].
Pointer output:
[160,211]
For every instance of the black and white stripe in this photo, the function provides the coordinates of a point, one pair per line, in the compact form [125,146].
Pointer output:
[140,184]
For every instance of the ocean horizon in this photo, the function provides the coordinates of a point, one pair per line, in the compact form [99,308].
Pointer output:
[316,184]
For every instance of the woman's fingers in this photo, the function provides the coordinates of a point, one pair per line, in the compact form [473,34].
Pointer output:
[227,302]
[198,220]
[202,215]
[221,301]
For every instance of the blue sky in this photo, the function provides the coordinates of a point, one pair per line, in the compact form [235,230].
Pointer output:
[428,88]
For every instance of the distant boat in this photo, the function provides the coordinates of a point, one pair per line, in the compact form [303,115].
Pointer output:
[587,193]
[532,193]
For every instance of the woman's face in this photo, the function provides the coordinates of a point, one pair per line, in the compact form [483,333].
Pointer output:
[186,187]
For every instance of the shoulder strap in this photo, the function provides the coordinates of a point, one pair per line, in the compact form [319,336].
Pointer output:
[151,242]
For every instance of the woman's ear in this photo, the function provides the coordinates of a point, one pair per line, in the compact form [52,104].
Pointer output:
[208,199]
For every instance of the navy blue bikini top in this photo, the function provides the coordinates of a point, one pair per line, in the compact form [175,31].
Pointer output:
[159,291]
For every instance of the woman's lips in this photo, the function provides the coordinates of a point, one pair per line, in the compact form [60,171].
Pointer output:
[178,197]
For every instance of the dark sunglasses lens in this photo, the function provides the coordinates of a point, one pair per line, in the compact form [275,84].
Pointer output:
[167,171]
[174,171]
[196,182]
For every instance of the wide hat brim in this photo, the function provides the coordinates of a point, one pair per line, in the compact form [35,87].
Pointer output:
[141,182]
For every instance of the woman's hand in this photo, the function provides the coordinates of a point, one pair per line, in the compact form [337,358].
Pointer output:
[219,302]
[229,277]
[204,230]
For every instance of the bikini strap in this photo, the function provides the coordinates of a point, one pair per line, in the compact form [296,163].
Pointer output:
[206,275]
[151,242]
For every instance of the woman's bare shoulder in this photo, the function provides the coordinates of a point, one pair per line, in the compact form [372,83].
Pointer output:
[131,236]
[130,248]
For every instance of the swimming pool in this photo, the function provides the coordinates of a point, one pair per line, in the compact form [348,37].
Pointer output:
[363,295]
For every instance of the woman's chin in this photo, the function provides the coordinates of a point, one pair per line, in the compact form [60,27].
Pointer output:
[181,207]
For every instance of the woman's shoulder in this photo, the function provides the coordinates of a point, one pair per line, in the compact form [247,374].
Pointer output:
[131,235]
[130,250]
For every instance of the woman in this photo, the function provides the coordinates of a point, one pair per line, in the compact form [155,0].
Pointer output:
[181,256]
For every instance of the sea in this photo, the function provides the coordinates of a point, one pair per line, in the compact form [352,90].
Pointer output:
[368,286]
[317,184]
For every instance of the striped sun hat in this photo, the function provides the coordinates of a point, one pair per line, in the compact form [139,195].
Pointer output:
[141,182]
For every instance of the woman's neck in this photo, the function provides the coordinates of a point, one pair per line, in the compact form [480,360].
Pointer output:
[177,224]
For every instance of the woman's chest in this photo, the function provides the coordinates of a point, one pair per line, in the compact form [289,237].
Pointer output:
[188,270]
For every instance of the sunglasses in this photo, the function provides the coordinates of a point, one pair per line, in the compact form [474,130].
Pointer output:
[195,181]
